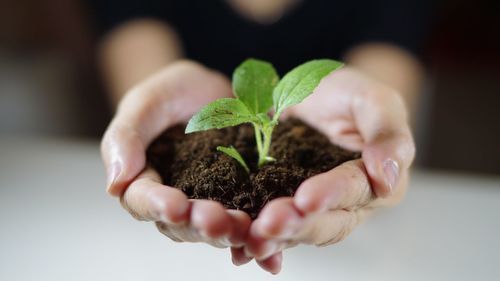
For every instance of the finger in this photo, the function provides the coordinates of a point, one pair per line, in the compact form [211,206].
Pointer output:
[240,222]
[139,119]
[209,222]
[238,256]
[123,154]
[272,264]
[211,219]
[178,232]
[387,159]
[147,199]
[381,118]
[259,247]
[344,187]
[278,220]
[187,233]
[328,227]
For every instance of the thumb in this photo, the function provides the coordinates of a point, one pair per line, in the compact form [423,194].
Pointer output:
[385,160]
[139,119]
[381,118]
[123,154]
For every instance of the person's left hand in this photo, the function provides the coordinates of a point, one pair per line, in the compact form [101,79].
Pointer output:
[357,113]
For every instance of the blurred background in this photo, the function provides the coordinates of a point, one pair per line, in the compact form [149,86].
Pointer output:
[58,224]
[50,84]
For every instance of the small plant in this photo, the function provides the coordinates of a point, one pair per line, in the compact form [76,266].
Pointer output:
[257,88]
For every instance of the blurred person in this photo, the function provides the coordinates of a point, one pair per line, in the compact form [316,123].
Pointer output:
[163,60]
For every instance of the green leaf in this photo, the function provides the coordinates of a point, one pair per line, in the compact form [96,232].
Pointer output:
[299,83]
[232,152]
[253,84]
[221,113]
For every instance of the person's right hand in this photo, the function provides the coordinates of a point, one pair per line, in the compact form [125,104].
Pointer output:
[169,97]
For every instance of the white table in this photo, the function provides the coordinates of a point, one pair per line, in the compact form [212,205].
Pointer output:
[57,223]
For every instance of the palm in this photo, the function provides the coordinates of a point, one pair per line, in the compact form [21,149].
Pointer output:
[329,109]
[180,92]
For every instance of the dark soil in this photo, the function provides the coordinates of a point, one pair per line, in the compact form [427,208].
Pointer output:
[192,163]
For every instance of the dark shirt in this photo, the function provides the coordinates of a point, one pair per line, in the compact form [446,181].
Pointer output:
[217,36]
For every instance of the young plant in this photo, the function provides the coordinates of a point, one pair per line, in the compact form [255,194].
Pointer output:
[257,88]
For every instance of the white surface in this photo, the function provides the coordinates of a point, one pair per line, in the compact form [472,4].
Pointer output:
[57,223]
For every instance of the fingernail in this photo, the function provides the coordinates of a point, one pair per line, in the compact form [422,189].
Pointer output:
[391,171]
[113,173]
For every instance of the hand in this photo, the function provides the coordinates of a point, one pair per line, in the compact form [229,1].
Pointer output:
[357,113]
[171,96]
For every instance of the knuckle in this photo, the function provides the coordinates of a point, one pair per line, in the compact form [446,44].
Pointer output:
[386,97]
[347,225]
[166,230]
[381,92]
[411,149]
[357,186]
[394,95]
[407,148]
[159,208]
[108,138]
[121,133]
[386,94]
[364,195]
[130,210]
[410,154]
[112,133]
[122,105]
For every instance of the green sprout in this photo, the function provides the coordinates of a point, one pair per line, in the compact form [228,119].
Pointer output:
[257,88]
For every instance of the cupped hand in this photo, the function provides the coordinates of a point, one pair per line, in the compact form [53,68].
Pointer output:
[169,97]
[357,113]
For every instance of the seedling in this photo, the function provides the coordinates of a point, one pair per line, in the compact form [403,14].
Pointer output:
[257,88]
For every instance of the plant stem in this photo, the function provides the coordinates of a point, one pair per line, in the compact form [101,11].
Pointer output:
[265,148]
[258,138]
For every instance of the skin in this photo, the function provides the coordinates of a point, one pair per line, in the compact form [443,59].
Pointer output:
[361,107]
[262,11]
[170,96]
[359,113]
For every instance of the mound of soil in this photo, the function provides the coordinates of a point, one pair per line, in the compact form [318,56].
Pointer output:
[192,163]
